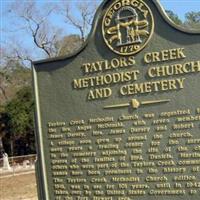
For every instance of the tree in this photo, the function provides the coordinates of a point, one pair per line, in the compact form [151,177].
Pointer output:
[20,111]
[3,129]
[192,20]
[174,17]
[82,23]
[36,22]
[4,79]
[4,76]
[13,76]
[69,44]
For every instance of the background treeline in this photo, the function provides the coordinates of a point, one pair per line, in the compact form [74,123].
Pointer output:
[35,31]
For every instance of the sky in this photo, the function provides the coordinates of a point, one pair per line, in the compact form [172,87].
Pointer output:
[179,7]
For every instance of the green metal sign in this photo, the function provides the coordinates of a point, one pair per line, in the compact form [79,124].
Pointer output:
[120,118]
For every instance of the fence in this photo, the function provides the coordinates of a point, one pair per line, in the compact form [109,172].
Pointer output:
[18,164]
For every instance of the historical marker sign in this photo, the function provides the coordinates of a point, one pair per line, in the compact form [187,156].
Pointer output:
[120,119]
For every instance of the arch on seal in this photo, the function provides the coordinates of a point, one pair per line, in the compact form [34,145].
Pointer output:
[127,8]
[127,39]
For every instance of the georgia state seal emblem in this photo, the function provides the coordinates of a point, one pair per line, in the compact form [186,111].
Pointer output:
[127,26]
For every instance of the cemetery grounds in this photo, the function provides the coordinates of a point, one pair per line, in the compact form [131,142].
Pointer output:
[19,182]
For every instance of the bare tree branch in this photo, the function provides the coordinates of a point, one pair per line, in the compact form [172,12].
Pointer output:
[86,11]
[43,36]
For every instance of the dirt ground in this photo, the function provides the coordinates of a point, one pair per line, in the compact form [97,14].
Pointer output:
[20,187]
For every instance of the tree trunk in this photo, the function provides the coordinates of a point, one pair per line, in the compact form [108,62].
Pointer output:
[1,146]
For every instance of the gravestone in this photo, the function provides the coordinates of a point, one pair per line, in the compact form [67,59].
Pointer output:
[6,164]
[120,118]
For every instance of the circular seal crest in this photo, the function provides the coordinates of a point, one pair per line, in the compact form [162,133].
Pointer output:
[127,26]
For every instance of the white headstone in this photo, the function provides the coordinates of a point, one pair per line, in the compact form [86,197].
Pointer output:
[6,164]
